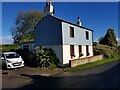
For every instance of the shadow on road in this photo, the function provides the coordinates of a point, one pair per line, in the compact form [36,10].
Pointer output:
[107,79]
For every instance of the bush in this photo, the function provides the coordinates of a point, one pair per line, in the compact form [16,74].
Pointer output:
[107,51]
[47,58]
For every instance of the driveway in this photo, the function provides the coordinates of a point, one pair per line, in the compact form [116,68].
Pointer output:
[103,76]
[16,77]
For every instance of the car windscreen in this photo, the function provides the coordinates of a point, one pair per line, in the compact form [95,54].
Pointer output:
[12,55]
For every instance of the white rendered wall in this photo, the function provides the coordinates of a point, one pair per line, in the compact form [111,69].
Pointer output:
[67,56]
[91,50]
[84,51]
[66,53]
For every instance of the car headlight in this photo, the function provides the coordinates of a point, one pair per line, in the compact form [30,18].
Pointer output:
[9,61]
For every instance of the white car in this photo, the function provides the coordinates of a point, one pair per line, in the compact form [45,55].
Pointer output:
[11,60]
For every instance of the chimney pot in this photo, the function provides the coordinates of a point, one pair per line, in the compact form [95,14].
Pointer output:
[79,22]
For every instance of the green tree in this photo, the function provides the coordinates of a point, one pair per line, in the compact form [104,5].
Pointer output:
[109,39]
[23,31]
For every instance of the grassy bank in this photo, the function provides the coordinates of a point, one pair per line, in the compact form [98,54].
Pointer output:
[88,65]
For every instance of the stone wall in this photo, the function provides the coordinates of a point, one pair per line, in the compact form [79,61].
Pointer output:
[81,61]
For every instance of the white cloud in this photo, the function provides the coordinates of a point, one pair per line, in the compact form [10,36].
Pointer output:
[118,39]
[6,40]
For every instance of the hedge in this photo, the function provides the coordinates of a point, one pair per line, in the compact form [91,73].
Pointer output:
[9,47]
[108,51]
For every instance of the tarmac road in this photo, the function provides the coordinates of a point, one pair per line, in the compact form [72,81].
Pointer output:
[102,76]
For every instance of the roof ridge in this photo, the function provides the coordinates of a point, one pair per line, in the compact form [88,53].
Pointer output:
[69,22]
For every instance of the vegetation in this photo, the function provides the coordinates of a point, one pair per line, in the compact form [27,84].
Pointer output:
[109,39]
[106,50]
[108,45]
[24,24]
[44,58]
[47,58]
[93,64]
[9,47]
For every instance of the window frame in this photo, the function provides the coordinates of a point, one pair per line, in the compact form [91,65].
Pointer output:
[87,35]
[72,32]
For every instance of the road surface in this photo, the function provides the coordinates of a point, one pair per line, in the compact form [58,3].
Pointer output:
[103,76]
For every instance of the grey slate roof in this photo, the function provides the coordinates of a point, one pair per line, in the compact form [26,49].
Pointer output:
[64,21]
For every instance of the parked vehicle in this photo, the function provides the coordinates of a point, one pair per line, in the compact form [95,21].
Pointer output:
[11,60]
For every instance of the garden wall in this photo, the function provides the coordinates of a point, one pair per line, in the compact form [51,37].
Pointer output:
[81,61]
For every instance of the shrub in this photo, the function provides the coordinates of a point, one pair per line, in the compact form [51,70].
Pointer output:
[106,50]
[47,58]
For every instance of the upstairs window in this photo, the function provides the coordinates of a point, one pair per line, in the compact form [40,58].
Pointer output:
[87,35]
[71,32]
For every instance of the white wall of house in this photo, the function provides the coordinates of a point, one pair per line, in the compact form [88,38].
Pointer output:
[79,35]
[67,56]
[91,50]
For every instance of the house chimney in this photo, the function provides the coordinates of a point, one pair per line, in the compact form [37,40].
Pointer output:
[48,9]
[51,2]
[79,22]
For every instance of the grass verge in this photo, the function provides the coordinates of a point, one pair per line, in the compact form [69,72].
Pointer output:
[88,65]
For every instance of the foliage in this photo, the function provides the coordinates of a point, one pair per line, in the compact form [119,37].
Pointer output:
[93,64]
[81,54]
[47,58]
[109,39]
[106,50]
[23,31]
[9,47]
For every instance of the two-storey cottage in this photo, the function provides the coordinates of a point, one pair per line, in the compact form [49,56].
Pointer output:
[68,40]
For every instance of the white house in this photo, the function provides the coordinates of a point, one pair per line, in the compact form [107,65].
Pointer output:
[67,39]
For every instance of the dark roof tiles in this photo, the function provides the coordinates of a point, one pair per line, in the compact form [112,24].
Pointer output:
[63,21]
